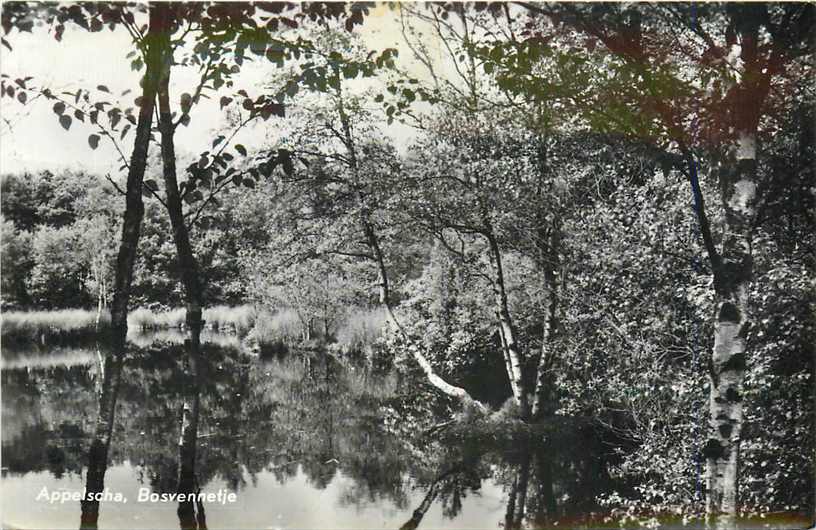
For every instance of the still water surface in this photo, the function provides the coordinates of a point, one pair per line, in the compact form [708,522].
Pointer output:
[304,440]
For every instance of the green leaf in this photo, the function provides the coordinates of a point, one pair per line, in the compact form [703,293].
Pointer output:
[292,89]
[271,109]
[241,149]
[65,121]
[93,141]
[59,107]
[103,88]
[275,56]
[115,116]
[350,71]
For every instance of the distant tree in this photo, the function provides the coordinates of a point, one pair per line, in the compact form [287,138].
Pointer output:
[57,277]
[16,265]
[20,202]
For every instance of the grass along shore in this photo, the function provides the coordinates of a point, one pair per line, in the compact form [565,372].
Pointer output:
[64,326]
[269,331]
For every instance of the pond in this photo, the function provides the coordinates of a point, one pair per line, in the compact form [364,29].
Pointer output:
[307,439]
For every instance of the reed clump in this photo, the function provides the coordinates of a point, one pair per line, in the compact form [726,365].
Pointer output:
[361,330]
[50,327]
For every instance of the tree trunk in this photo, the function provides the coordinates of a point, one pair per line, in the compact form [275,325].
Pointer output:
[732,278]
[98,305]
[158,40]
[550,263]
[416,349]
[372,240]
[508,366]
[188,265]
[511,349]
[191,514]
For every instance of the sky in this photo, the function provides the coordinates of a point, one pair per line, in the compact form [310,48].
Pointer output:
[31,138]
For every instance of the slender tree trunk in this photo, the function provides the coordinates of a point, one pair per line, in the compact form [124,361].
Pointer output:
[190,278]
[416,349]
[373,243]
[157,40]
[732,278]
[188,265]
[98,304]
[550,264]
[511,347]
[508,366]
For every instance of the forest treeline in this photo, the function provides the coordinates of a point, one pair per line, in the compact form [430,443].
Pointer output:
[608,209]
[61,233]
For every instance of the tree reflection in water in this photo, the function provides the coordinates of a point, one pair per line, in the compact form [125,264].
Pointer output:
[190,512]
[336,421]
[111,372]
